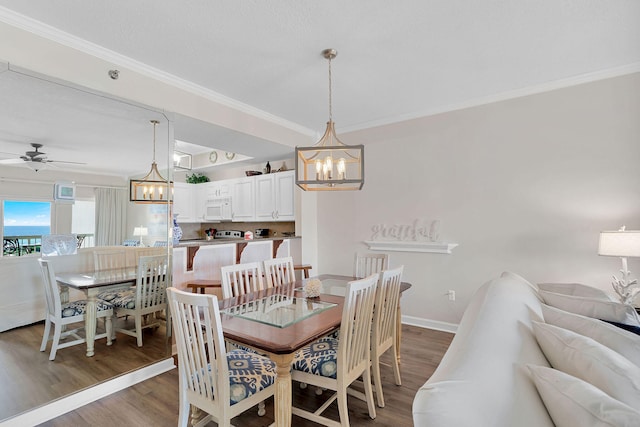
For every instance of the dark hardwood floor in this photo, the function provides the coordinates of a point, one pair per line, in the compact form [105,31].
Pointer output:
[155,402]
[28,379]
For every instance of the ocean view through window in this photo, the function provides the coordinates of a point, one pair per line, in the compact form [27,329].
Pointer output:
[23,224]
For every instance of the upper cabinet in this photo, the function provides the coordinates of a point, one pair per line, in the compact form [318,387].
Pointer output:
[263,198]
[274,197]
[242,199]
[184,202]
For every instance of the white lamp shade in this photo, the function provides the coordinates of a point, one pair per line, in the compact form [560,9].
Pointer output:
[140,231]
[619,243]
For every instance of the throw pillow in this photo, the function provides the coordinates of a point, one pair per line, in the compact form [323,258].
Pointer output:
[624,342]
[590,361]
[630,328]
[592,307]
[576,290]
[574,402]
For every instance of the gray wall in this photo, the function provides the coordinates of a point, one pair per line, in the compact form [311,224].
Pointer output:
[522,185]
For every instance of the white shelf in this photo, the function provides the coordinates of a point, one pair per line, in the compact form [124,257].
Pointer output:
[400,246]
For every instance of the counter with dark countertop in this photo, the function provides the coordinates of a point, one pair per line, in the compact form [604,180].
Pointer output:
[192,246]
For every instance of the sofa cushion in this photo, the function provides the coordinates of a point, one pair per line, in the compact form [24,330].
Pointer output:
[576,290]
[574,402]
[482,380]
[624,342]
[590,361]
[593,307]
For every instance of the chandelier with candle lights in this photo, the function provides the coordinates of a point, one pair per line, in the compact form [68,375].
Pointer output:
[330,165]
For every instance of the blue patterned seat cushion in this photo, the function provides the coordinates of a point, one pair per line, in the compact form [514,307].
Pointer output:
[318,358]
[76,308]
[120,298]
[249,373]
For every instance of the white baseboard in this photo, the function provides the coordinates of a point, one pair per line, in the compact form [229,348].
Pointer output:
[74,401]
[430,324]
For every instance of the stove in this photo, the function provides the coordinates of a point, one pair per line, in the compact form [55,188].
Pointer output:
[229,234]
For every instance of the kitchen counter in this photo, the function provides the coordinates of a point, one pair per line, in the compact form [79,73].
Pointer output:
[267,246]
[203,242]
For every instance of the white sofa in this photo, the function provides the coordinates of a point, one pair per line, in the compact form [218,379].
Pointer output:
[489,374]
[482,379]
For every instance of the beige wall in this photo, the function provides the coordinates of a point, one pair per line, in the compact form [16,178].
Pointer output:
[523,185]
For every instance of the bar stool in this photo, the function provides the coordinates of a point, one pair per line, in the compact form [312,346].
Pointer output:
[201,284]
[305,269]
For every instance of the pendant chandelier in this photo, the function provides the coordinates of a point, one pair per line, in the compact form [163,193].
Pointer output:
[330,165]
[153,188]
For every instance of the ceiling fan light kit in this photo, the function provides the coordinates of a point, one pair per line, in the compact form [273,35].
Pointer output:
[330,165]
[153,188]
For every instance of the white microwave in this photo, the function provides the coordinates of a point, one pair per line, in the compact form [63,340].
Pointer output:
[218,209]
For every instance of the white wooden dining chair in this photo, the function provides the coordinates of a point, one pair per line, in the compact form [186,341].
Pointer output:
[240,279]
[65,314]
[279,271]
[146,299]
[334,364]
[385,326]
[366,264]
[107,259]
[222,384]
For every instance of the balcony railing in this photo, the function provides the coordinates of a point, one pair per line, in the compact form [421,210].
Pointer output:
[25,245]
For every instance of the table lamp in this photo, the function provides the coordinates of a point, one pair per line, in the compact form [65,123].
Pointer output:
[140,232]
[622,243]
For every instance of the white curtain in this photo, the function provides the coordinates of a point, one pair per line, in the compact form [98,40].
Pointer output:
[111,216]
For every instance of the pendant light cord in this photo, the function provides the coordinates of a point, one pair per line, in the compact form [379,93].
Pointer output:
[330,94]
[155,122]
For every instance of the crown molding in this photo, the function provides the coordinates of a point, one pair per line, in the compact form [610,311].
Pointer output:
[51,33]
[503,96]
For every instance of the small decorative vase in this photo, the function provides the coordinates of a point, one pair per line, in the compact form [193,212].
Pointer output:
[177,231]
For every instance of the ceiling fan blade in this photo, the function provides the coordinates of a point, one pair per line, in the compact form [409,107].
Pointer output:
[4,153]
[11,161]
[62,161]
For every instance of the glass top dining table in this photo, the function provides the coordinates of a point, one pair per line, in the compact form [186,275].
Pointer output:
[280,321]
[92,283]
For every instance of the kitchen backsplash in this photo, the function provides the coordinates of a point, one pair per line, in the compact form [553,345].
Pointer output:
[196,230]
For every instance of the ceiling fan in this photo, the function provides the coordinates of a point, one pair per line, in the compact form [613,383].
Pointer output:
[36,159]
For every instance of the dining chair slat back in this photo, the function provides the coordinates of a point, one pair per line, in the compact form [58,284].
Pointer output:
[279,271]
[148,297]
[109,259]
[385,326]
[240,279]
[366,264]
[349,355]
[63,314]
[204,371]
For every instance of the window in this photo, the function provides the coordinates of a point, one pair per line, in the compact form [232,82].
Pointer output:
[24,222]
[83,222]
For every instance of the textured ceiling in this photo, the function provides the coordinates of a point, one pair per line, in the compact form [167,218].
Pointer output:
[396,60]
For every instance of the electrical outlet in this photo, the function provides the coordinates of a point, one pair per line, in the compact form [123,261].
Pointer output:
[452,295]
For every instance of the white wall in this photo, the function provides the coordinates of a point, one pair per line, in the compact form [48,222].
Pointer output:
[523,185]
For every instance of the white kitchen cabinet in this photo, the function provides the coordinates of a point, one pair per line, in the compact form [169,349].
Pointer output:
[274,197]
[216,189]
[199,199]
[184,202]
[243,202]
[285,204]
